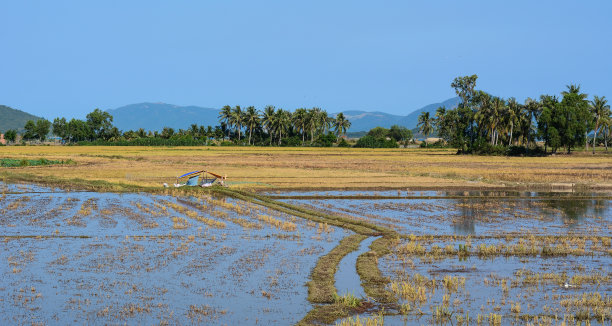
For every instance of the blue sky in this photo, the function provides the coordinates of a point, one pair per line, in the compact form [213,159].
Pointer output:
[65,58]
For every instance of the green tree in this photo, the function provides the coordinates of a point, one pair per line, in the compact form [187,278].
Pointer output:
[43,126]
[574,119]
[237,119]
[251,119]
[425,124]
[378,132]
[299,119]
[314,122]
[268,120]
[60,128]
[400,133]
[341,124]
[30,130]
[464,124]
[167,133]
[225,116]
[513,115]
[546,127]
[11,135]
[532,109]
[100,123]
[78,130]
[601,111]
[282,122]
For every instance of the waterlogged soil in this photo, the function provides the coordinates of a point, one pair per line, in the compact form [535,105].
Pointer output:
[106,258]
[469,213]
[506,286]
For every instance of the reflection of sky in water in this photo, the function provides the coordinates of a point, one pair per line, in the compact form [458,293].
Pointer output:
[480,215]
[482,286]
[89,271]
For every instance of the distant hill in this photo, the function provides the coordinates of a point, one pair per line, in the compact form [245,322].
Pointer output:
[14,119]
[411,120]
[364,120]
[156,116]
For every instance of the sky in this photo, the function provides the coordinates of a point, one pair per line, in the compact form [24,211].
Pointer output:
[66,58]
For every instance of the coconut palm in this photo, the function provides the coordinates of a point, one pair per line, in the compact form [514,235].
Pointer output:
[513,114]
[601,111]
[225,116]
[605,126]
[425,124]
[282,122]
[313,122]
[251,120]
[532,109]
[237,119]
[299,119]
[325,122]
[341,124]
[268,119]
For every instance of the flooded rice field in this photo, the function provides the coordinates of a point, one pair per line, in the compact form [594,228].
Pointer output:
[470,212]
[104,258]
[481,258]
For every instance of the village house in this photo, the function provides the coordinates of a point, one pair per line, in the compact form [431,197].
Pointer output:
[2,140]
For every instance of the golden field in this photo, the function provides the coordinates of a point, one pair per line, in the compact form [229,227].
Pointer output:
[301,168]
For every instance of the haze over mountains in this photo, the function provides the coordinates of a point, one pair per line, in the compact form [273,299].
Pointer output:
[156,116]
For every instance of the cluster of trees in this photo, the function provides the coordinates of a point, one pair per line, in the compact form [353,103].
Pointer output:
[275,125]
[380,137]
[98,125]
[270,127]
[241,126]
[482,122]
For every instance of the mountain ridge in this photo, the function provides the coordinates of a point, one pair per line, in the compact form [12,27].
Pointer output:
[14,119]
[156,116]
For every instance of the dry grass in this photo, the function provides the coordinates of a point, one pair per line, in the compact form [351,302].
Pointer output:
[254,167]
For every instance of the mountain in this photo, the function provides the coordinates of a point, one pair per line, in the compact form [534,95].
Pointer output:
[364,120]
[411,120]
[156,116]
[14,119]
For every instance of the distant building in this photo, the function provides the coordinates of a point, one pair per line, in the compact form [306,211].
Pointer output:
[2,140]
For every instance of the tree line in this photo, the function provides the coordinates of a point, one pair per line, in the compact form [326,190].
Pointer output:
[487,124]
[247,126]
[274,125]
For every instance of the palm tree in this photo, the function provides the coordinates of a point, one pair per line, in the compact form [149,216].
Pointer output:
[237,119]
[533,108]
[324,121]
[313,122]
[424,124]
[251,119]
[282,122]
[268,119]
[605,125]
[495,117]
[513,115]
[341,124]
[601,111]
[299,119]
[225,115]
